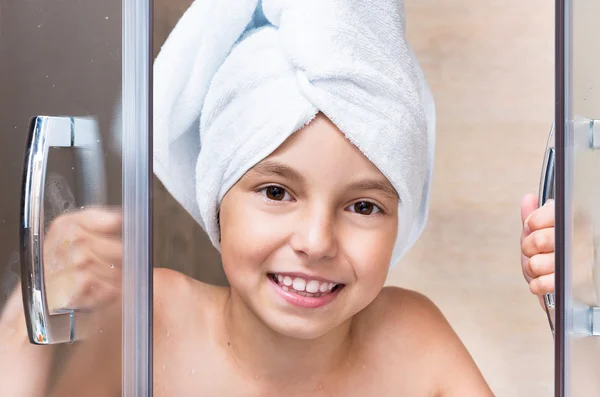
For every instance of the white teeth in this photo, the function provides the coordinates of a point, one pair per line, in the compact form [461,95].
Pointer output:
[303,286]
[312,286]
[299,284]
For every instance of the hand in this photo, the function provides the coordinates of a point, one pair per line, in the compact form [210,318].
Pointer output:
[82,265]
[537,245]
[83,254]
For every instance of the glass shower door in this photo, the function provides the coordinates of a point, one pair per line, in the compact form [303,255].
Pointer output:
[577,199]
[75,283]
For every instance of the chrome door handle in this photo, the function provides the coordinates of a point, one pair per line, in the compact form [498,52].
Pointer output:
[67,325]
[546,193]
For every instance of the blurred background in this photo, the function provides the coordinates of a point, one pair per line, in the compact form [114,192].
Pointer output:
[490,65]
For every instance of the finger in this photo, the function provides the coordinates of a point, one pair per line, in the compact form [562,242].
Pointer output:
[82,259]
[542,285]
[79,226]
[102,220]
[77,289]
[529,203]
[81,277]
[538,242]
[105,249]
[524,261]
[542,218]
[540,265]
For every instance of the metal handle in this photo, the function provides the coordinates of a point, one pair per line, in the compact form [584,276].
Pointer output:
[546,193]
[66,325]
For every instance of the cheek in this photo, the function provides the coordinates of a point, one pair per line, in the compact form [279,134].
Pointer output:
[248,236]
[370,252]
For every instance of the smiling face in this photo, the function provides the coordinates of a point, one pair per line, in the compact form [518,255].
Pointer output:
[307,234]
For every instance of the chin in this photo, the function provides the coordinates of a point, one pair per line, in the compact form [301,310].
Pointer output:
[300,328]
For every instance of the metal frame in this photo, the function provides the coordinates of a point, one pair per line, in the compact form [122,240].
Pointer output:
[562,112]
[137,197]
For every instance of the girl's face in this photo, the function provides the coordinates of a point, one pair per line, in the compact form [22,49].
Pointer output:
[307,234]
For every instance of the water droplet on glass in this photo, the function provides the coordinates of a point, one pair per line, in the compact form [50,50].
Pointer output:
[112,266]
[101,329]
[193,371]
[39,26]
[105,17]
[72,168]
[98,140]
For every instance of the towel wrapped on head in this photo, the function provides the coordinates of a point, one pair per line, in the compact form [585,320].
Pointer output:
[236,78]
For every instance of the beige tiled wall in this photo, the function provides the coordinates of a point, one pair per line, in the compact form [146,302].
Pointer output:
[490,65]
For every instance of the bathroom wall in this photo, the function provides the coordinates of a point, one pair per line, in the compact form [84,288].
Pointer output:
[490,65]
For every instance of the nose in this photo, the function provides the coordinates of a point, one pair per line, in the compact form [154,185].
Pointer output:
[314,235]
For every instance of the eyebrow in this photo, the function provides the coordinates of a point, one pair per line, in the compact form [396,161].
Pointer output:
[268,168]
[382,186]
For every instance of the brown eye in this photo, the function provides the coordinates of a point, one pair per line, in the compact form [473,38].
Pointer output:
[275,193]
[364,208]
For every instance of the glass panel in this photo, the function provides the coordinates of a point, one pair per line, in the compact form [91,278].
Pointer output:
[64,174]
[227,341]
[581,184]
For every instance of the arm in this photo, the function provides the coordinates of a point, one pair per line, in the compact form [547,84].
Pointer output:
[24,368]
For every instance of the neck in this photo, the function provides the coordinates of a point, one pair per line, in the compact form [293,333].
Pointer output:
[265,354]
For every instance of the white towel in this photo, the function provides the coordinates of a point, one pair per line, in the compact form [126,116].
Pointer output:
[237,77]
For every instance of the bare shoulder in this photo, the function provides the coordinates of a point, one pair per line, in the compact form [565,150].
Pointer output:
[407,330]
[406,320]
[411,312]
[178,297]
[184,321]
